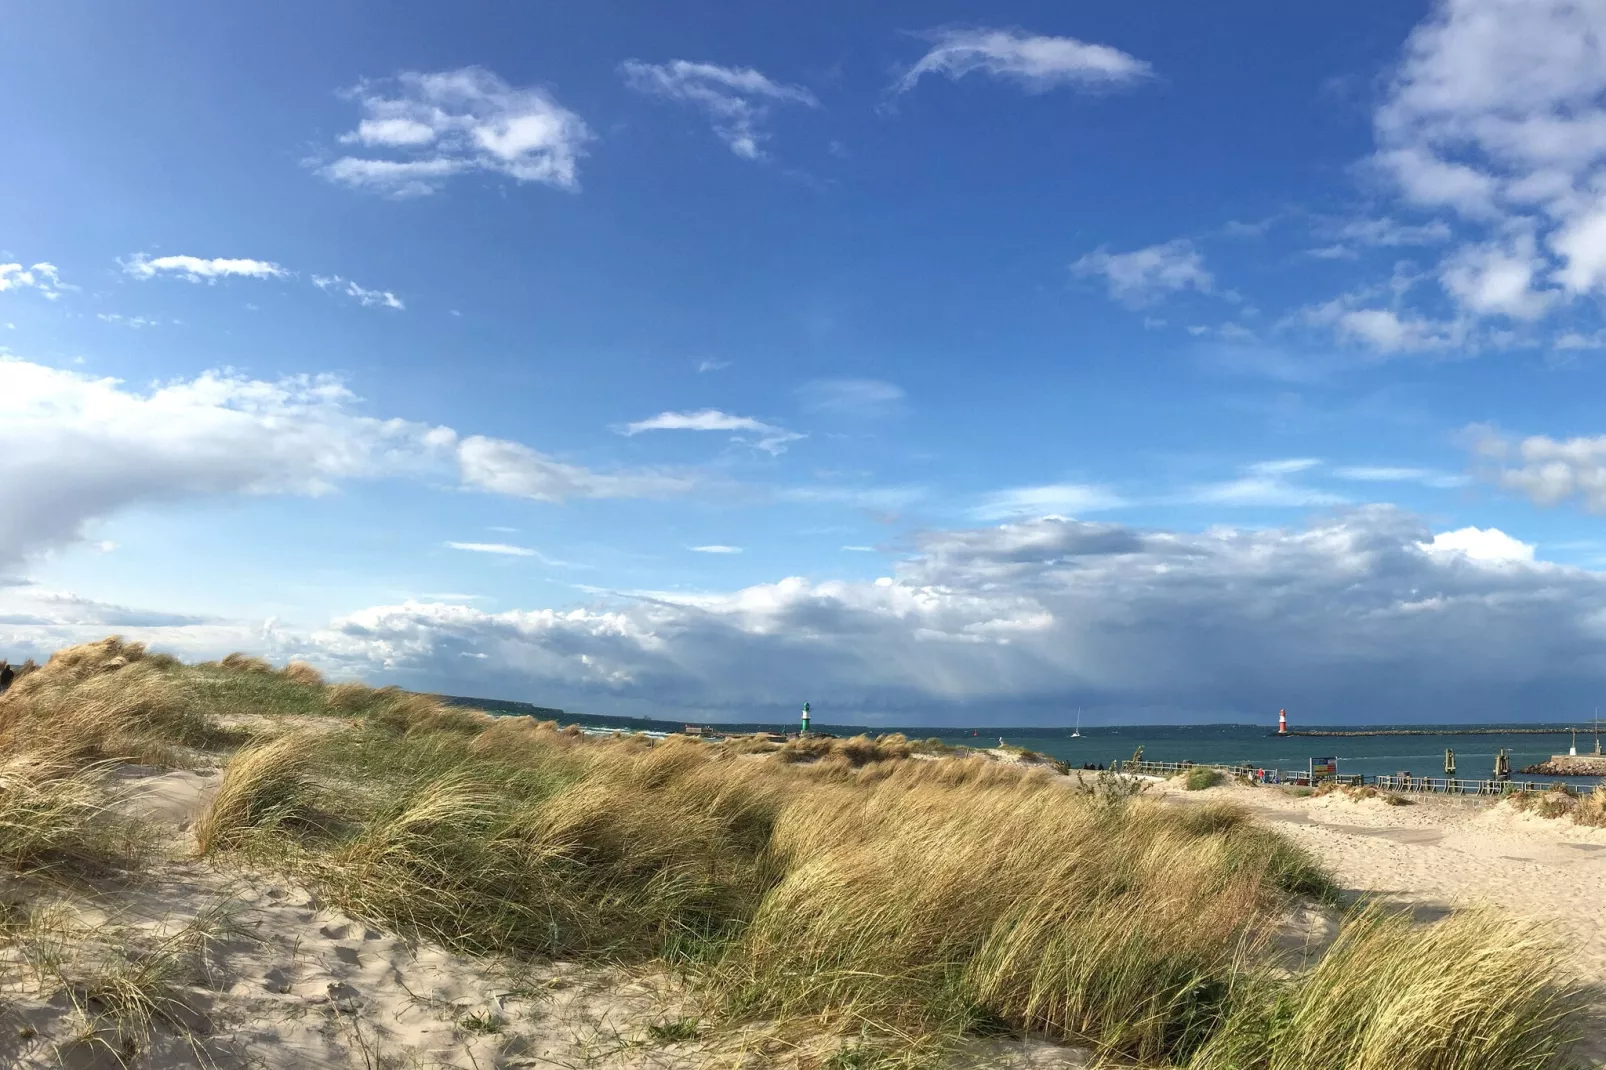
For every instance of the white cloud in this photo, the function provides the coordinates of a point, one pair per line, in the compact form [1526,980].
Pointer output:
[1386,330]
[1497,116]
[511,468]
[1036,63]
[42,277]
[1497,278]
[704,366]
[502,548]
[1481,544]
[131,322]
[737,100]
[716,548]
[860,549]
[1546,470]
[365,297]
[1143,276]
[851,397]
[198,269]
[771,439]
[75,448]
[1391,233]
[1008,623]
[436,125]
[1064,499]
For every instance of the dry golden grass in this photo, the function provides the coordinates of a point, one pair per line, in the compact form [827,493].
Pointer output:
[831,885]
[1470,992]
[238,662]
[300,672]
[263,787]
[61,819]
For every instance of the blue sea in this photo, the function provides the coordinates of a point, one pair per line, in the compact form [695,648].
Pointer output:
[1225,744]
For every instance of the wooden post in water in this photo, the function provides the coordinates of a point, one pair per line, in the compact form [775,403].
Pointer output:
[1449,762]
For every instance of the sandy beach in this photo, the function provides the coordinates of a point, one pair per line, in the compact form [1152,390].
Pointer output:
[1441,852]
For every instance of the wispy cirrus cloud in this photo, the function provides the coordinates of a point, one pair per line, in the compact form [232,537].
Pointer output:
[201,269]
[1054,499]
[864,398]
[771,439]
[1035,62]
[1266,483]
[737,100]
[432,126]
[1427,477]
[503,549]
[716,548]
[362,295]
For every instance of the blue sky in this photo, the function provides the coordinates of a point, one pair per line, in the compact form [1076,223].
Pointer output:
[932,362]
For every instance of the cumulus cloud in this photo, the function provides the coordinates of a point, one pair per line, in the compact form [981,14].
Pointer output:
[41,277]
[1143,276]
[1370,611]
[1481,544]
[1496,117]
[737,100]
[200,269]
[74,448]
[431,126]
[1036,63]
[363,296]
[771,439]
[1546,470]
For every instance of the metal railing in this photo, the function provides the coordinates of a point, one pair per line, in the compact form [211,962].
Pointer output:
[1383,782]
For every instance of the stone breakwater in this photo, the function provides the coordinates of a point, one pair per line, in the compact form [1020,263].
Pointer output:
[1570,765]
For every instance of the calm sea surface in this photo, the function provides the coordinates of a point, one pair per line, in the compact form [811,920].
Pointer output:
[1226,744]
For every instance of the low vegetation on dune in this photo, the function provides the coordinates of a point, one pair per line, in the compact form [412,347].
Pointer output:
[847,888]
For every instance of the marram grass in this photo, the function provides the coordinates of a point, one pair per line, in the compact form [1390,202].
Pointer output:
[866,888]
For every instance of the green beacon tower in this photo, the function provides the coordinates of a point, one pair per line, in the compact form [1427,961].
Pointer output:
[805,730]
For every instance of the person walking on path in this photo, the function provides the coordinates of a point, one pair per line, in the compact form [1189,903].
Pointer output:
[7,674]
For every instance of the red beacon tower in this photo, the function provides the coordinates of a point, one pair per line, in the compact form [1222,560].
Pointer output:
[1282,722]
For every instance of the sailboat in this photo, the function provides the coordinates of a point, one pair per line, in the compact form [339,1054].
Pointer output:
[1077,733]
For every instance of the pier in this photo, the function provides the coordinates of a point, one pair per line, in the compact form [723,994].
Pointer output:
[1311,733]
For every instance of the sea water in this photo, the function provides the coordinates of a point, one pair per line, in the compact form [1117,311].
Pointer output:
[1221,744]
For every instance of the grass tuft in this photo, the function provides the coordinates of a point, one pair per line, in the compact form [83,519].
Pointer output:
[1470,992]
[264,787]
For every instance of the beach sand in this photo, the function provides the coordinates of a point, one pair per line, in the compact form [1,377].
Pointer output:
[265,976]
[1442,852]
[282,980]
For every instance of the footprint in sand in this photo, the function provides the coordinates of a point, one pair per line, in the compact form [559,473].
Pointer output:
[348,955]
[276,980]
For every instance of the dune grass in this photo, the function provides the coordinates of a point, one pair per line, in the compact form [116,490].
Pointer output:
[1201,777]
[824,885]
[263,788]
